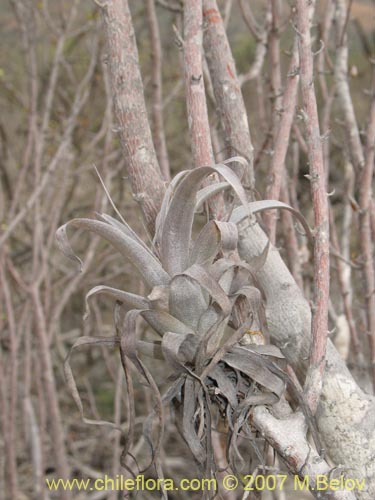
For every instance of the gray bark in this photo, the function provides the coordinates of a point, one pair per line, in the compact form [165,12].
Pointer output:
[346,415]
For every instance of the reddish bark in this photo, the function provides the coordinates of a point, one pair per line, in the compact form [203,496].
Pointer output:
[317,178]
[195,92]
[367,247]
[282,139]
[226,86]
[198,122]
[130,110]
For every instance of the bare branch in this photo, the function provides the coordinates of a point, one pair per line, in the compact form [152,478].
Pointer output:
[314,379]
[157,90]
[130,110]
[199,126]
[282,138]
[367,243]
[195,92]
[226,87]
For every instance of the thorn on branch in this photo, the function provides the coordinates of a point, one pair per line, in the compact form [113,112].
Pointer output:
[353,203]
[139,197]
[302,115]
[284,345]
[195,79]
[321,48]
[179,41]
[331,332]
[325,136]
[294,26]
[293,72]
[117,130]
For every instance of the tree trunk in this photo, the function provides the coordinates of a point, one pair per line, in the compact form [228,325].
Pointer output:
[345,415]
[130,109]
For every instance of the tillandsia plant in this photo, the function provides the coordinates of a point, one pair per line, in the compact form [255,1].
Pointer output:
[205,304]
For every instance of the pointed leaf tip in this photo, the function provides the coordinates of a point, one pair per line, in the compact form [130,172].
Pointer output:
[178,221]
[144,261]
[65,247]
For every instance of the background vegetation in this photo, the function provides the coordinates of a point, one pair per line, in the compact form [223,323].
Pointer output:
[56,123]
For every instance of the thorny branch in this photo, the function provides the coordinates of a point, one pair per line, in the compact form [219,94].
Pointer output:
[57,120]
